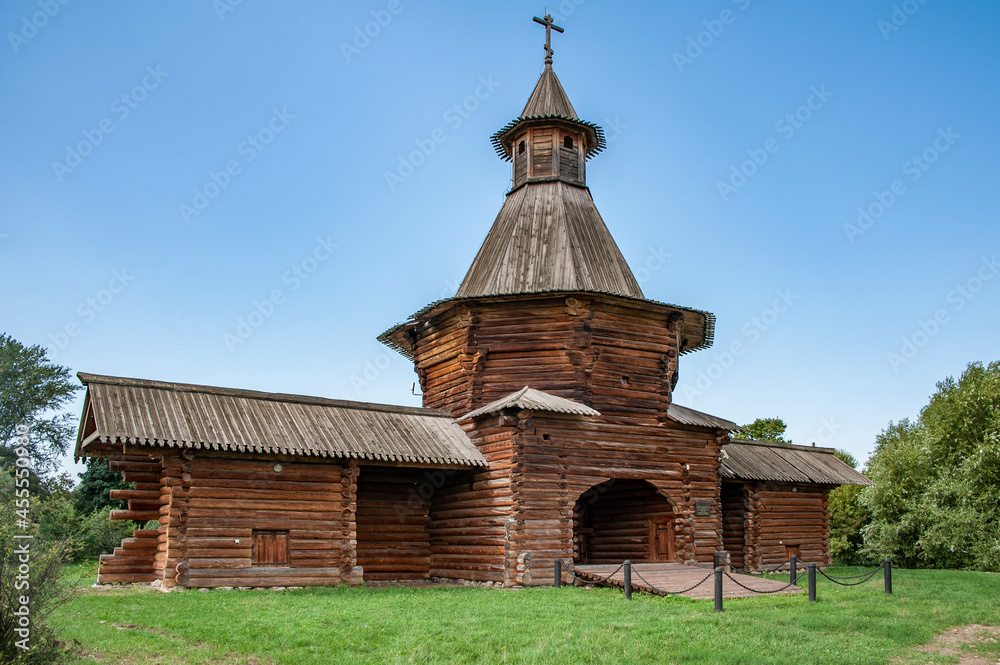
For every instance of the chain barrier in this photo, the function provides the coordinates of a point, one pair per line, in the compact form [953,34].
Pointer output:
[764,569]
[853,577]
[601,581]
[635,571]
[738,583]
[870,575]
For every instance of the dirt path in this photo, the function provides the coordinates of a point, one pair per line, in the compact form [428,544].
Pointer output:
[972,645]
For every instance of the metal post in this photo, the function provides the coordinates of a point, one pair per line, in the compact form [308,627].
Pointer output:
[558,573]
[628,580]
[887,565]
[812,581]
[793,569]
[718,588]
[715,560]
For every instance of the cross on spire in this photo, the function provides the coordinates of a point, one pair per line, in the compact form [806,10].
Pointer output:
[549,27]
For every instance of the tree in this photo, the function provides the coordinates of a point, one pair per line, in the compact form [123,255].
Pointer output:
[766,429]
[96,483]
[848,516]
[936,498]
[32,390]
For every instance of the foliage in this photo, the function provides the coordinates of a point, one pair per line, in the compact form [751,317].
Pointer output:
[98,534]
[766,429]
[31,389]
[96,483]
[856,625]
[40,585]
[848,516]
[936,498]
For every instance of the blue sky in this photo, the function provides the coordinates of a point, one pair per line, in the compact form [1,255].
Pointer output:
[170,169]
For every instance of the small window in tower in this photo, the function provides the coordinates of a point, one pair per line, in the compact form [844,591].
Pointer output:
[521,148]
[568,142]
[626,381]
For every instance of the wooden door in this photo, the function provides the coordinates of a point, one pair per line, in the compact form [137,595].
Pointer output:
[661,540]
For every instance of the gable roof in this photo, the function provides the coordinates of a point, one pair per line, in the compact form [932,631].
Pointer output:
[536,400]
[549,236]
[177,415]
[688,416]
[769,460]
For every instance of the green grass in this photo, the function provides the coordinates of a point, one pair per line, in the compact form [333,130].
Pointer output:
[541,625]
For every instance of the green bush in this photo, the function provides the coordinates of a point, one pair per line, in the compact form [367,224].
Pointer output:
[936,498]
[36,580]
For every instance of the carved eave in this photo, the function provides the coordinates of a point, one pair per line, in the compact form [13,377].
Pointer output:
[503,141]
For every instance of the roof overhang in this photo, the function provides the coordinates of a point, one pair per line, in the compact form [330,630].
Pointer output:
[122,413]
[699,328]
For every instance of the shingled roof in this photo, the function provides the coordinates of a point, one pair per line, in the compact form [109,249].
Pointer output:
[549,101]
[549,236]
[123,411]
[769,460]
[536,400]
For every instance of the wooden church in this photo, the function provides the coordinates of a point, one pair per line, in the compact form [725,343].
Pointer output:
[548,429]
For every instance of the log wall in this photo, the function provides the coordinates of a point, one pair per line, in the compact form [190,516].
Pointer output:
[734,521]
[780,517]
[392,522]
[212,504]
[617,356]
[559,459]
[472,511]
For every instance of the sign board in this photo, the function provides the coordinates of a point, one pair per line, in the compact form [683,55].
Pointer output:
[702,509]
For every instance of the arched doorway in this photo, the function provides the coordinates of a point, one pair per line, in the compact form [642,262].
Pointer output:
[623,519]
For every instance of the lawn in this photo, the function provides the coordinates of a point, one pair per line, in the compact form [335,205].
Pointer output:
[537,625]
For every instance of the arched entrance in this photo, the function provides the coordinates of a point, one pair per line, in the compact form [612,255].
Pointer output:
[623,519]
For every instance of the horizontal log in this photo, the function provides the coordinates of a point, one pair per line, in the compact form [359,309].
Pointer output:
[136,515]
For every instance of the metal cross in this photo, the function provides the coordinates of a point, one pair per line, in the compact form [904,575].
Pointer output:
[549,27]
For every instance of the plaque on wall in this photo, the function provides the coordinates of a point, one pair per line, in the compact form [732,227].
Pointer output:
[702,509]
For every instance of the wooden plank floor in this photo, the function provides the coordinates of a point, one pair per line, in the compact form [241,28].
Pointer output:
[676,576]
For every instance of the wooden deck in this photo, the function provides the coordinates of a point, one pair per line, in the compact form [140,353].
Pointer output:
[669,577]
